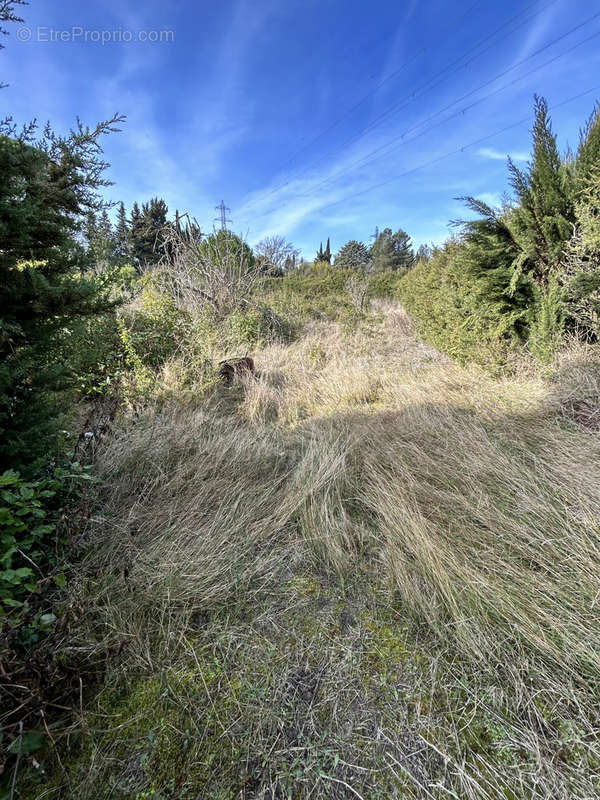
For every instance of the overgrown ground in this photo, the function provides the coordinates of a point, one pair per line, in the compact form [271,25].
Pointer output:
[367,573]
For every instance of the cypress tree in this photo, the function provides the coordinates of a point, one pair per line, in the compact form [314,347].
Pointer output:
[105,246]
[543,221]
[99,240]
[136,237]
[581,264]
[147,232]
[121,237]
[588,153]
[90,229]
[485,263]
[403,250]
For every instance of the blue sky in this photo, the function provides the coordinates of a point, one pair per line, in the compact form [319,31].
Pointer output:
[310,119]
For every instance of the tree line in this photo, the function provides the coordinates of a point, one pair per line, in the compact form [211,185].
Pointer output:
[390,251]
[141,239]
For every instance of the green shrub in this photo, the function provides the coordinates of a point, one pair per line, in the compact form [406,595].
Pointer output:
[45,191]
[458,315]
[23,531]
[581,263]
[247,326]
[320,292]
[521,273]
[353,319]
[548,325]
[385,284]
[256,326]
[29,515]
[152,332]
[167,348]
[126,279]
[98,354]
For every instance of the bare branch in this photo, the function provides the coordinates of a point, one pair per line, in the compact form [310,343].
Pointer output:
[219,269]
[276,255]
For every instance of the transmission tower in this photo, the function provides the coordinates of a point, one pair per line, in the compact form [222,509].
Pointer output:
[375,235]
[223,218]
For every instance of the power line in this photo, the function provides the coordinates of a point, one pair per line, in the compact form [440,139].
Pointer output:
[412,96]
[433,161]
[369,94]
[364,160]
[454,152]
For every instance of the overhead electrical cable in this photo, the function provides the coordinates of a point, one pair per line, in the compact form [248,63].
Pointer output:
[525,120]
[373,90]
[411,96]
[389,144]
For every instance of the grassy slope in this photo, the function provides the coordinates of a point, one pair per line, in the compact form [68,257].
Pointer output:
[368,573]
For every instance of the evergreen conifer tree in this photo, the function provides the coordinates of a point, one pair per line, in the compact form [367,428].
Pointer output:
[392,251]
[136,236]
[543,221]
[353,255]
[121,237]
[587,160]
[105,246]
[147,232]
[45,190]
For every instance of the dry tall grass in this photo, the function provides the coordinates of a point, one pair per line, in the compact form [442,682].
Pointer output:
[391,565]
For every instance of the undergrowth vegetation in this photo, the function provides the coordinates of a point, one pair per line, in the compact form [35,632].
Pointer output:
[350,575]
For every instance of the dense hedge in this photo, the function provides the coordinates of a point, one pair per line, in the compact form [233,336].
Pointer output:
[525,274]
[454,313]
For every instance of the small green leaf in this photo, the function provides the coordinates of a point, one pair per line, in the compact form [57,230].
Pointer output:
[9,477]
[60,580]
[9,601]
[27,743]
[23,572]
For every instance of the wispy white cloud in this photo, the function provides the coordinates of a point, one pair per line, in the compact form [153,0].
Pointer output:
[288,209]
[536,32]
[496,155]
[491,198]
[182,165]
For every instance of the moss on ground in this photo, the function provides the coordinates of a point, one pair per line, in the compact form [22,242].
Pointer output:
[321,686]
